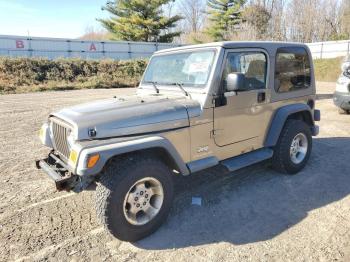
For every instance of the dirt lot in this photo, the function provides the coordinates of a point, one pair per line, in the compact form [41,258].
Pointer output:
[254,214]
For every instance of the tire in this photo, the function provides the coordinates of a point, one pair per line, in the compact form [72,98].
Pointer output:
[116,183]
[284,159]
[343,111]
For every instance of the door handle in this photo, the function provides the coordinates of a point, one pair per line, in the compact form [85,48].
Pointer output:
[261,97]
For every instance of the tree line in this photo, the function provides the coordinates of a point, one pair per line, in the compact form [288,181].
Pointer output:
[197,21]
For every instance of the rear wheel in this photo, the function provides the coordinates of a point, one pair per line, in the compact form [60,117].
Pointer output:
[134,196]
[293,148]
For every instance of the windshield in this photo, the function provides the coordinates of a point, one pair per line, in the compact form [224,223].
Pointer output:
[188,69]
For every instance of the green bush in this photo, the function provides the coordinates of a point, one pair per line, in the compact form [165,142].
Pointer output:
[19,75]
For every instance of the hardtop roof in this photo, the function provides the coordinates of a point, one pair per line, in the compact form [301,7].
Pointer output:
[268,45]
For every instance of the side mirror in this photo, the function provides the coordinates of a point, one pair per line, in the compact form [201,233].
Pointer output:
[235,82]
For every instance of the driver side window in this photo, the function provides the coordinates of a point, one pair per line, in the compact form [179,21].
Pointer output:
[253,65]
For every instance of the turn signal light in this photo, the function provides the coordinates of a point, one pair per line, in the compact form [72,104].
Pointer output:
[73,157]
[92,160]
[41,133]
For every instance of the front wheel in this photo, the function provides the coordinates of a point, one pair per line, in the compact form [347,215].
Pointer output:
[134,196]
[293,148]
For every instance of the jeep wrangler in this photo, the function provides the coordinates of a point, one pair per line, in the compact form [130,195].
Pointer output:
[229,103]
[341,96]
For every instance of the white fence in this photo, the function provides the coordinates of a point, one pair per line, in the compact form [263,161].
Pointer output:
[51,48]
[19,46]
[330,49]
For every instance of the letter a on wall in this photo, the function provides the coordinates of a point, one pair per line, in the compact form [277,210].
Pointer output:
[92,47]
[19,44]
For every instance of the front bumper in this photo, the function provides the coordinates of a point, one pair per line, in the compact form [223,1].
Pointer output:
[59,172]
[315,130]
[342,100]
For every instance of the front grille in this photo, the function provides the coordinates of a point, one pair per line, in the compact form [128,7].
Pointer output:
[60,133]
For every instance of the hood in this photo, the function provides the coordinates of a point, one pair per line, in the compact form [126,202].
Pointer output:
[130,115]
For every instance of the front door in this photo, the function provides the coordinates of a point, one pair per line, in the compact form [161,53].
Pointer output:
[238,121]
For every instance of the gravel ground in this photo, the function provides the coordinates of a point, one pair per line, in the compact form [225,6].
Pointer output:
[255,214]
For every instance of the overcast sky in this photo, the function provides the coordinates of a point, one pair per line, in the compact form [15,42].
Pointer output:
[49,18]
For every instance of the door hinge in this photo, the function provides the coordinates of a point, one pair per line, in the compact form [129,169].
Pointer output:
[215,132]
[219,101]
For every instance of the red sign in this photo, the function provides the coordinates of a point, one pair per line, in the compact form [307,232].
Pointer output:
[19,44]
[92,47]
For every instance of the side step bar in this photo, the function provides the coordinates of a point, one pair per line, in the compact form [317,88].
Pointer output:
[238,162]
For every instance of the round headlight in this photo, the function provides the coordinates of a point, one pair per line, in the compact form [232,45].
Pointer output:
[342,84]
[346,67]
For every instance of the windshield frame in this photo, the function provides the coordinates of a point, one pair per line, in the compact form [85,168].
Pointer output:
[190,88]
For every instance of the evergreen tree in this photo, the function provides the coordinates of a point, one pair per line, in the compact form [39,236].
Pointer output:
[140,20]
[224,15]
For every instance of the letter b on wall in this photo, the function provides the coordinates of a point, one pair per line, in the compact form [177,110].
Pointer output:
[19,44]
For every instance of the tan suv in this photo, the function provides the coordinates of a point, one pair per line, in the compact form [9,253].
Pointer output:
[231,104]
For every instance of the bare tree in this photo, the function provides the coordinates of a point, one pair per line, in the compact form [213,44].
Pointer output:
[264,20]
[331,29]
[302,21]
[277,28]
[194,12]
[345,19]
[277,20]
[92,33]
[257,17]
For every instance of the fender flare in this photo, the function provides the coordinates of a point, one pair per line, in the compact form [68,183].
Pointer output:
[279,120]
[114,149]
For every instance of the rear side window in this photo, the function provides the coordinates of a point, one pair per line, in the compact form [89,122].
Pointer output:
[293,70]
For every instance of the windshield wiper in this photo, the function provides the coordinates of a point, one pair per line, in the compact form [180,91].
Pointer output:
[181,87]
[154,84]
